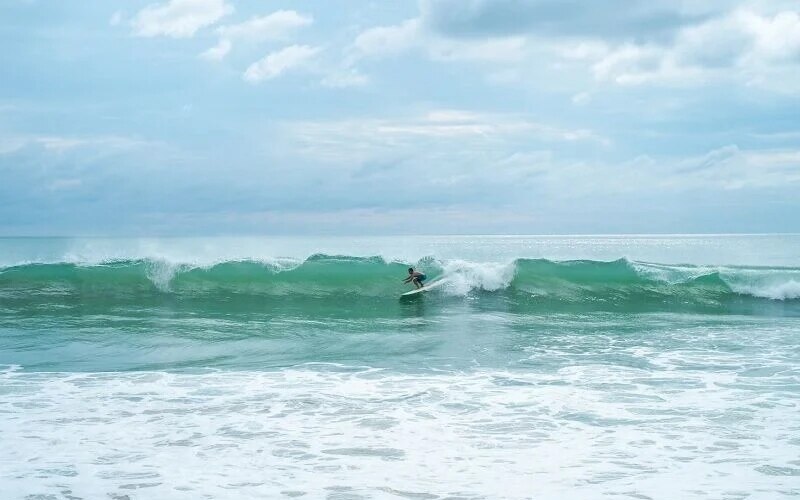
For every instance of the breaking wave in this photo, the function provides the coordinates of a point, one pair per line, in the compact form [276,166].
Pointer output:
[539,283]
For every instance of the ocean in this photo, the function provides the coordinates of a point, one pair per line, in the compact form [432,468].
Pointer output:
[636,366]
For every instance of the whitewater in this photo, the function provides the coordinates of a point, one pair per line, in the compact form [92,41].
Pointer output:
[660,366]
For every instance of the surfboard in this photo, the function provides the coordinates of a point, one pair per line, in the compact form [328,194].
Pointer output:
[433,284]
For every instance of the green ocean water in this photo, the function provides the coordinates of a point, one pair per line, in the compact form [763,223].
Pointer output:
[607,365]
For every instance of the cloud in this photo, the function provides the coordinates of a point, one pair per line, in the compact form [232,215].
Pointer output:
[469,154]
[363,220]
[636,65]
[219,51]
[610,19]
[446,124]
[11,144]
[477,106]
[387,40]
[631,42]
[354,140]
[467,167]
[743,44]
[275,26]
[493,50]
[179,18]
[61,144]
[278,62]
[727,168]
[732,168]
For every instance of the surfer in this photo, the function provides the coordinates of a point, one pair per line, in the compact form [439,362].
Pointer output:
[415,277]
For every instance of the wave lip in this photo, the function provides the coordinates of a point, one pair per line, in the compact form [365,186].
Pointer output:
[785,290]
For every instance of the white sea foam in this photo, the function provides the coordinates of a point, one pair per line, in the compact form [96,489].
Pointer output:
[786,290]
[161,273]
[581,432]
[775,284]
[463,277]
[768,283]
[671,274]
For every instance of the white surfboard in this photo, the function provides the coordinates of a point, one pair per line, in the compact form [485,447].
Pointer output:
[433,284]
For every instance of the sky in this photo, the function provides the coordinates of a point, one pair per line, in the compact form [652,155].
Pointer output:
[204,117]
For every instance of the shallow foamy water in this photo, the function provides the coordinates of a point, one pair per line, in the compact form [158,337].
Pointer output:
[666,431]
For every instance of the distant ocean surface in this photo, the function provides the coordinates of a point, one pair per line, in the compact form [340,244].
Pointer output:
[546,367]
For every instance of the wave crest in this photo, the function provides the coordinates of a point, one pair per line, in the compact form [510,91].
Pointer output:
[619,283]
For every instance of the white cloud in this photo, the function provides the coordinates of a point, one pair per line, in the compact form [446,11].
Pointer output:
[469,149]
[275,26]
[723,169]
[776,38]
[356,140]
[278,62]
[62,144]
[11,144]
[636,65]
[677,44]
[179,18]
[743,45]
[387,40]
[732,168]
[456,124]
[410,35]
[218,52]
[492,50]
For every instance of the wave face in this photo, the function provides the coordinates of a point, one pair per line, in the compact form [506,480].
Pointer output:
[369,284]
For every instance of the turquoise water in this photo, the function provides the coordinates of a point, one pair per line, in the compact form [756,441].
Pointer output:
[632,366]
